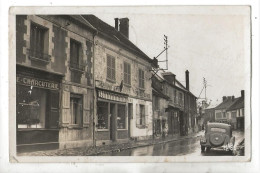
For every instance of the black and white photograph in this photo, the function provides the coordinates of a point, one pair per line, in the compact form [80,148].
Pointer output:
[140,83]
[92,87]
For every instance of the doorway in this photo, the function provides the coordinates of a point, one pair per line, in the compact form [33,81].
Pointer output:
[113,121]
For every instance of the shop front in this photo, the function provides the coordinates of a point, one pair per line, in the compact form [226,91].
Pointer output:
[112,117]
[37,109]
[173,120]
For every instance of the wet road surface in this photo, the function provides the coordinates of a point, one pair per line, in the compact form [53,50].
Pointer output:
[187,147]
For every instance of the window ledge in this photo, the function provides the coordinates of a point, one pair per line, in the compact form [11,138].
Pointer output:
[39,59]
[141,126]
[75,127]
[111,80]
[102,130]
[78,70]
[121,129]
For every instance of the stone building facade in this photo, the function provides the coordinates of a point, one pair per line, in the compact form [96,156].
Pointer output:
[122,83]
[54,82]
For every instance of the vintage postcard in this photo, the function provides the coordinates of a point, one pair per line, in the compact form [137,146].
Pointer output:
[164,84]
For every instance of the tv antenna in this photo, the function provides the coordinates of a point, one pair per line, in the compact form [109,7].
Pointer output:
[155,59]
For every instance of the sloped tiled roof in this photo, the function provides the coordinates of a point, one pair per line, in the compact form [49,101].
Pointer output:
[237,105]
[227,103]
[111,33]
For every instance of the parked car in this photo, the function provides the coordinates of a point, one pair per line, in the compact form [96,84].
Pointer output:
[217,135]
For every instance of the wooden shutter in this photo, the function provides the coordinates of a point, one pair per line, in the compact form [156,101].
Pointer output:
[65,107]
[137,114]
[54,109]
[113,68]
[146,114]
[87,102]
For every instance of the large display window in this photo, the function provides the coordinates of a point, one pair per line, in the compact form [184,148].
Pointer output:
[102,111]
[121,117]
[36,107]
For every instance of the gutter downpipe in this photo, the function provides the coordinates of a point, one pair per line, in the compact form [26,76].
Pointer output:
[94,93]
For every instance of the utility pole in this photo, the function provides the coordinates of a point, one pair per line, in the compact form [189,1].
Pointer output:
[205,86]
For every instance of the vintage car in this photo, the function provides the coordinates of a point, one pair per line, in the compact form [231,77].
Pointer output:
[217,135]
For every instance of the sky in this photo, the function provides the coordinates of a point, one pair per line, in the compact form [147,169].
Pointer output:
[210,42]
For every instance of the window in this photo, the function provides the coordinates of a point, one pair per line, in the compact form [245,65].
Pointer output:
[175,96]
[75,61]
[224,115]
[218,115]
[102,112]
[140,120]
[39,43]
[31,107]
[76,109]
[141,79]
[156,103]
[233,114]
[121,117]
[127,73]
[180,99]
[111,68]
[215,129]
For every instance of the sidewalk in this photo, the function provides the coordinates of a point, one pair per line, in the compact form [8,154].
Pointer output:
[91,151]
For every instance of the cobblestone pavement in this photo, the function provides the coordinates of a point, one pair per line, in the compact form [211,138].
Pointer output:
[83,151]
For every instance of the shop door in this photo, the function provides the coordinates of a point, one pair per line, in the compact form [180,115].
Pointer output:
[54,110]
[130,116]
[113,121]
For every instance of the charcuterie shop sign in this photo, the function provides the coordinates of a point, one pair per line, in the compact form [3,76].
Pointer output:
[29,81]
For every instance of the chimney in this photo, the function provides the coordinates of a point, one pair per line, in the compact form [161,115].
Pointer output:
[116,24]
[224,98]
[187,80]
[242,93]
[169,76]
[233,98]
[124,26]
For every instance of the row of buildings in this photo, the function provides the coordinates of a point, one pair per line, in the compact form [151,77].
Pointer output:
[230,110]
[81,82]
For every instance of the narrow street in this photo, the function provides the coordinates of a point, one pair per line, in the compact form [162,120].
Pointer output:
[187,147]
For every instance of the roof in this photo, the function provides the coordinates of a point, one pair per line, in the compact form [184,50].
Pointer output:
[111,33]
[227,103]
[218,125]
[238,104]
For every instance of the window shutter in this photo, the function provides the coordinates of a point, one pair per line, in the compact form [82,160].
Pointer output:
[146,114]
[137,114]
[86,109]
[65,107]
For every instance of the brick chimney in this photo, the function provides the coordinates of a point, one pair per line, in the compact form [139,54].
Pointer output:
[233,98]
[224,98]
[124,26]
[187,80]
[242,93]
[116,24]
[169,76]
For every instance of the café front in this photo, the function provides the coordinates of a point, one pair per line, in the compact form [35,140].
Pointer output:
[112,115]
[37,109]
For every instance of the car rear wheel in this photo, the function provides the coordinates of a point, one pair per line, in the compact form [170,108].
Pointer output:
[202,148]
[208,149]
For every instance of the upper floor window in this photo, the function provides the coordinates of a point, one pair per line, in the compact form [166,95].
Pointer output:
[39,43]
[175,96]
[180,99]
[75,61]
[111,68]
[127,73]
[141,79]
[140,119]
[76,109]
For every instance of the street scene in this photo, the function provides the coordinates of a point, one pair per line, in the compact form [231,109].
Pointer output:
[105,85]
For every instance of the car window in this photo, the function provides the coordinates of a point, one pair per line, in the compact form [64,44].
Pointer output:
[214,129]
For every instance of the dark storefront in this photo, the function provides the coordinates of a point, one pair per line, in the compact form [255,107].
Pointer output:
[37,109]
[112,119]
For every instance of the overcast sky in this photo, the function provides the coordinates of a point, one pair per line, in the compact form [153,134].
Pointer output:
[210,42]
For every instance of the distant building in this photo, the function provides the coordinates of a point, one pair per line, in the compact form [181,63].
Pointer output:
[236,113]
[209,115]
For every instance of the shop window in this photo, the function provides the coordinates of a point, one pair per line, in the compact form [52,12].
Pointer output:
[141,79]
[76,109]
[121,117]
[140,119]
[102,112]
[111,68]
[127,73]
[39,43]
[31,107]
[76,61]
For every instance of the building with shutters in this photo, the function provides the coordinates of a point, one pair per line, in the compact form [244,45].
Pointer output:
[54,82]
[122,83]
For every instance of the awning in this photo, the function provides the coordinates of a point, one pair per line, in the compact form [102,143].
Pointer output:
[171,108]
